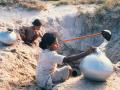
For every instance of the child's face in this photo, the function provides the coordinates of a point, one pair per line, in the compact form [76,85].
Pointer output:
[36,27]
[55,45]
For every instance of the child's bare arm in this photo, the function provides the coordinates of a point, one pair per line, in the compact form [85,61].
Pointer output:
[34,43]
[36,36]
[39,34]
[78,56]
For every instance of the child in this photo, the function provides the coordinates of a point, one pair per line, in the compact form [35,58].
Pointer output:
[31,35]
[47,72]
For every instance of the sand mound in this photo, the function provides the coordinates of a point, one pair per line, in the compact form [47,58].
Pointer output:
[17,66]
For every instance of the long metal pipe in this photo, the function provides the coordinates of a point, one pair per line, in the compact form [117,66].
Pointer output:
[83,37]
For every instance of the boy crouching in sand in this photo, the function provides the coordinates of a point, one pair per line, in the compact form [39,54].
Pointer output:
[31,35]
[47,72]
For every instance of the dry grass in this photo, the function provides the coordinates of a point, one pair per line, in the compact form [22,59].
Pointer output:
[28,4]
[35,5]
[76,2]
[111,3]
[107,2]
[90,1]
[41,5]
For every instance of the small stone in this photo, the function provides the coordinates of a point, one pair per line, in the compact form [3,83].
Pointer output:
[13,50]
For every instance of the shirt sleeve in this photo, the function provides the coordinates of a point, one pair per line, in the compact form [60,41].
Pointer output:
[22,33]
[57,58]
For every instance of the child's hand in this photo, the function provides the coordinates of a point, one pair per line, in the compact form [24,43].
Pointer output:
[30,44]
[36,32]
[33,45]
[91,50]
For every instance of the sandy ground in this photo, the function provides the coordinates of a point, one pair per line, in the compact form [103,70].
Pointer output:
[80,83]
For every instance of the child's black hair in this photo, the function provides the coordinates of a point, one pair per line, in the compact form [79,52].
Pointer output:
[36,22]
[47,40]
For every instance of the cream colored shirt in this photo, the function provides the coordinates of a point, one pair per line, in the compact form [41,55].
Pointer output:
[47,64]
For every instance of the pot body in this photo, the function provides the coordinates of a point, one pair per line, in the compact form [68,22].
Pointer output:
[96,66]
[8,38]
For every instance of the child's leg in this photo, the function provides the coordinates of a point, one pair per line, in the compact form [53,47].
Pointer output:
[61,74]
[44,82]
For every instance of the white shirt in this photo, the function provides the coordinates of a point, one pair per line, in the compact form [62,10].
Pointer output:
[47,64]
